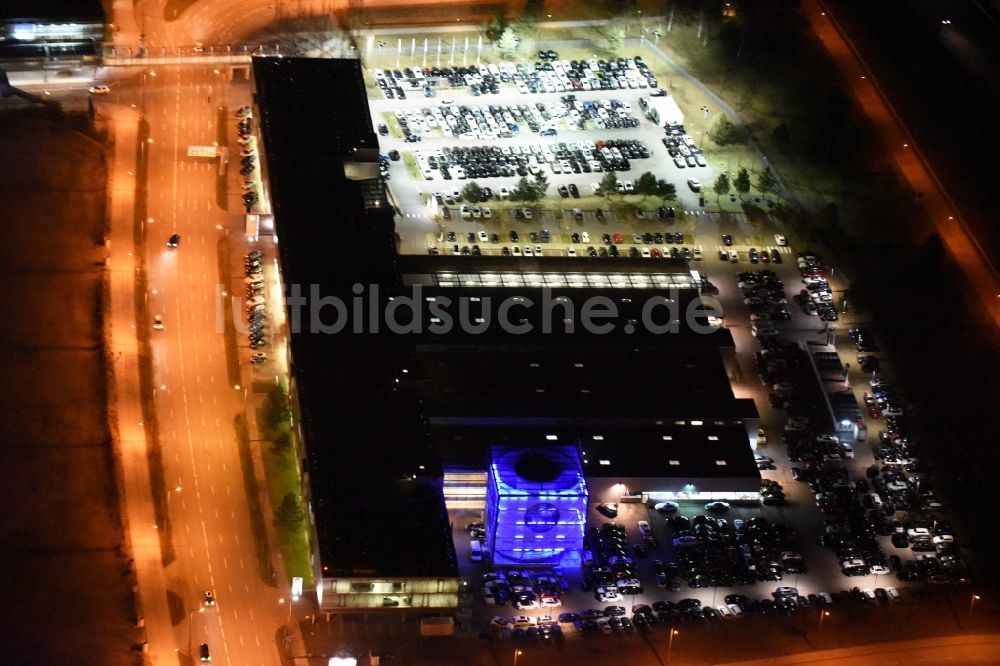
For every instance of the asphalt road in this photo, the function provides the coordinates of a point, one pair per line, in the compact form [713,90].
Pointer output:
[194,400]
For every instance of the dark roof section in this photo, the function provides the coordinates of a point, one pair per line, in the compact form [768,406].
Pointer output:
[620,385]
[365,437]
[669,451]
[57,11]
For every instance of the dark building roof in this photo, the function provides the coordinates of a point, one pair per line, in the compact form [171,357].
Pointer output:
[363,432]
[669,450]
[52,10]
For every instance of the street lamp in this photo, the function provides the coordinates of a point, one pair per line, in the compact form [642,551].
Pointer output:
[200,609]
[972,604]
[517,653]
[670,643]
[823,615]
[704,125]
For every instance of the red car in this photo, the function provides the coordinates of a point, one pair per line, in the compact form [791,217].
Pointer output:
[618,237]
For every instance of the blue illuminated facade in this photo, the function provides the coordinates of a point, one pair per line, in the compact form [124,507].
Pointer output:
[536,506]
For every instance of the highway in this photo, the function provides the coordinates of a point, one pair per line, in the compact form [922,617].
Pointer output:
[946,216]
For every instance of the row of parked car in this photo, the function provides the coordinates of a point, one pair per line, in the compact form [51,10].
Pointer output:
[900,482]
[256,311]
[667,614]
[551,75]
[816,298]
[764,296]
[494,161]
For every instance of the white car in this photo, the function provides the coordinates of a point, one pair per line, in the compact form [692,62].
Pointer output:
[585,237]
[644,528]
[522,621]
[780,240]
[99,90]
[487,213]
[483,238]
[694,184]
[570,251]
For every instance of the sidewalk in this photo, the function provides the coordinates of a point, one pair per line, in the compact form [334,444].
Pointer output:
[143,537]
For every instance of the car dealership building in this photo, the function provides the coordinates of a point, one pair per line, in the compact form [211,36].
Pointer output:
[477,382]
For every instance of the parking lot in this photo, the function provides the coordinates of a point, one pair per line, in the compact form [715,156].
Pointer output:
[421,226]
[843,524]
[850,524]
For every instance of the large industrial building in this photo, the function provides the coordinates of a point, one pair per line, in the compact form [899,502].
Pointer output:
[51,32]
[533,422]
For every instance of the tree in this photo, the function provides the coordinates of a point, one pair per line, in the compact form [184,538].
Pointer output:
[646,184]
[541,185]
[615,34]
[723,132]
[524,191]
[721,185]
[493,28]
[507,44]
[767,182]
[666,191]
[742,181]
[609,185]
[290,511]
[472,191]
[282,444]
[275,409]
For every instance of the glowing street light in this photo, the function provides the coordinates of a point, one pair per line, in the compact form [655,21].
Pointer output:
[670,643]
[823,615]
[972,604]
[517,653]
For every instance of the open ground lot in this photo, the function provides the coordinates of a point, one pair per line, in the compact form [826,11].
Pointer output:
[66,593]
